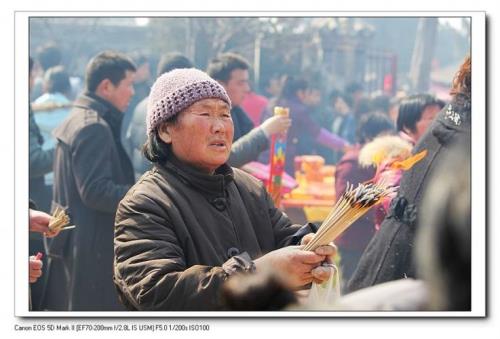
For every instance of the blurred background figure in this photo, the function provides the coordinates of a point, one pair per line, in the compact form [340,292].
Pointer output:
[40,164]
[384,152]
[355,97]
[255,105]
[381,103]
[273,85]
[231,71]
[135,134]
[416,114]
[343,121]
[142,84]
[57,90]
[40,160]
[304,131]
[49,55]
[353,241]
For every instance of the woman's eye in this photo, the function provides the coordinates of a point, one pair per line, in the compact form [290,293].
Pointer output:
[205,114]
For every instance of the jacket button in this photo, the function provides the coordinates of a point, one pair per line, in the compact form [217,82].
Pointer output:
[232,252]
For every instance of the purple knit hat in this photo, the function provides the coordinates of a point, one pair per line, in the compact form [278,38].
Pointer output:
[178,89]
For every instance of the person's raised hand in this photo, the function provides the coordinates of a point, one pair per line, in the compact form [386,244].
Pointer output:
[276,124]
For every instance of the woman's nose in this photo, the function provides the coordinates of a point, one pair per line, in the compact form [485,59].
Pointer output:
[218,125]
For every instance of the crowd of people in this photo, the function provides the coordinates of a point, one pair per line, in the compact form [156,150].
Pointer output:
[149,171]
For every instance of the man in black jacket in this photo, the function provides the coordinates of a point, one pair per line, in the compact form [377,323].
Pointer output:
[91,175]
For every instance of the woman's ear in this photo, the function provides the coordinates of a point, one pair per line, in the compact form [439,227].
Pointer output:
[164,133]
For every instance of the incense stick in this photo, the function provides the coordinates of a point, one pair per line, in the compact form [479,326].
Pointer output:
[351,206]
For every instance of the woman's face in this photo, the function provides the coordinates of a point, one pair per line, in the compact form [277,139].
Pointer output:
[428,116]
[203,134]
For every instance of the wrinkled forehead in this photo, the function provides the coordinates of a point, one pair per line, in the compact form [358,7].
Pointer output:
[209,105]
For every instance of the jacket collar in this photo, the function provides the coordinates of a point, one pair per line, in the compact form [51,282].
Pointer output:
[454,118]
[211,185]
[105,109]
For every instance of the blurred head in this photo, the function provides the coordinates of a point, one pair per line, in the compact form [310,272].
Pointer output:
[363,106]
[143,72]
[172,61]
[266,290]
[416,113]
[110,75]
[295,88]
[313,97]
[338,102]
[354,91]
[394,109]
[189,115]
[381,103]
[274,84]
[372,125]
[231,71]
[49,55]
[56,80]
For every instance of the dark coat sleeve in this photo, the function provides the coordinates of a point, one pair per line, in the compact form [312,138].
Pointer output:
[40,160]
[248,147]
[92,169]
[150,266]
[285,233]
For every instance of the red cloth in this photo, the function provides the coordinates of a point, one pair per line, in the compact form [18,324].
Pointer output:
[254,105]
[357,236]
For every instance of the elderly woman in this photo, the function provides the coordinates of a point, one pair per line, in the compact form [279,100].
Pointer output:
[193,221]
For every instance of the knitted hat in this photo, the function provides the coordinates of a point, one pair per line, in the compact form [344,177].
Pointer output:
[178,89]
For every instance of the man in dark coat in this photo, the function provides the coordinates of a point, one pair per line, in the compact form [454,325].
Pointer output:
[389,255]
[92,173]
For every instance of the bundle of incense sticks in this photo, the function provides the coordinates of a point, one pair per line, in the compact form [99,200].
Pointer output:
[59,220]
[350,207]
